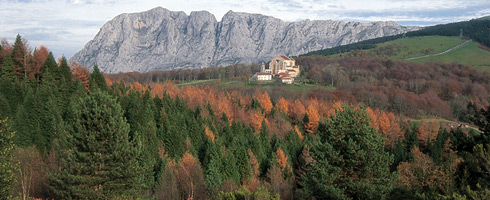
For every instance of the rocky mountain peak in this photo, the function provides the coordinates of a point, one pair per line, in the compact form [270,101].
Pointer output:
[160,39]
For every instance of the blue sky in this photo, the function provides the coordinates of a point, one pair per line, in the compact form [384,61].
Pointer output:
[65,26]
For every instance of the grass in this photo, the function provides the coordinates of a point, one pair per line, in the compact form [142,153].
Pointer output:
[415,46]
[410,47]
[469,54]
[294,87]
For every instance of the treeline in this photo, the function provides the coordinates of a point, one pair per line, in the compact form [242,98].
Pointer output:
[478,30]
[233,72]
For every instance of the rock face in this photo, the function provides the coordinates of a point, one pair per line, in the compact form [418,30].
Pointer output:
[160,39]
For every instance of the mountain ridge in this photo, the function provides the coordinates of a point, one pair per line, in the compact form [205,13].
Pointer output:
[160,39]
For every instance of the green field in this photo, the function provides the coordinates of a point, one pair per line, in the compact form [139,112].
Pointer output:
[415,46]
[294,87]
[411,47]
[469,54]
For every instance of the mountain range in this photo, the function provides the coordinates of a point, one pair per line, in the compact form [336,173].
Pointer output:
[160,39]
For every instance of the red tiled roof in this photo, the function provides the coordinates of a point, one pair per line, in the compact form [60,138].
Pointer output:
[286,58]
[281,74]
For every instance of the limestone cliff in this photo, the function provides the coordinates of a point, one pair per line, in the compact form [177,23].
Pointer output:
[160,39]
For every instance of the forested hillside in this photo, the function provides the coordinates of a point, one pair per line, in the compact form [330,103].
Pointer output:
[68,133]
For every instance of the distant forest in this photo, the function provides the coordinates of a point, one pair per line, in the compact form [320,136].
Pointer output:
[477,30]
[355,128]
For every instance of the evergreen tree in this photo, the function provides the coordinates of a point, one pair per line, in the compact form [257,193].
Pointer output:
[65,70]
[348,160]
[8,71]
[482,120]
[7,167]
[98,161]
[19,53]
[4,107]
[50,72]
[143,132]
[9,84]
[213,167]
[97,80]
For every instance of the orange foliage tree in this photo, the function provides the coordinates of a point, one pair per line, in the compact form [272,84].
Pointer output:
[39,56]
[313,117]
[281,158]
[282,105]
[190,179]
[387,125]
[257,118]
[80,73]
[254,182]
[390,129]
[427,131]
[422,174]
[264,100]
[297,110]
[296,129]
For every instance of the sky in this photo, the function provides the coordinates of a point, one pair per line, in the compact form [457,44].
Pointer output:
[65,26]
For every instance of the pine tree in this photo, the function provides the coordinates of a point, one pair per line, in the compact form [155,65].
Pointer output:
[97,80]
[98,161]
[4,107]
[143,130]
[9,84]
[19,54]
[8,72]
[65,70]
[348,159]
[7,167]
[50,72]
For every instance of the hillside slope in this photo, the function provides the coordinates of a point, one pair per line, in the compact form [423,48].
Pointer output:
[477,30]
[429,49]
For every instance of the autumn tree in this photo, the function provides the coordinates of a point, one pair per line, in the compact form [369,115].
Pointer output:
[264,100]
[297,110]
[257,120]
[282,159]
[81,74]
[421,174]
[39,56]
[190,180]
[283,105]
[348,160]
[254,181]
[387,125]
[311,119]
[427,131]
